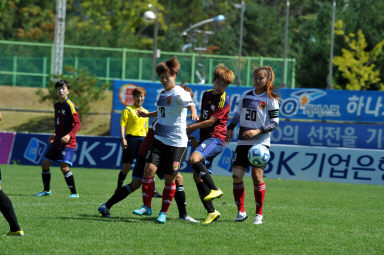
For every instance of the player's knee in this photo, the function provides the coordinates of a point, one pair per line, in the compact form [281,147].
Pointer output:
[236,178]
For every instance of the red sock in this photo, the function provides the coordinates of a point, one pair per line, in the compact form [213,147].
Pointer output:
[259,197]
[148,189]
[168,195]
[239,194]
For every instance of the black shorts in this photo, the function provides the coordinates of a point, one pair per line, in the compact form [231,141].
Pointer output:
[133,146]
[138,170]
[168,158]
[241,156]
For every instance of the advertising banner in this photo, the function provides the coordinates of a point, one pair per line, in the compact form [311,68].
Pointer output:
[315,164]
[287,161]
[299,104]
[92,151]
[6,143]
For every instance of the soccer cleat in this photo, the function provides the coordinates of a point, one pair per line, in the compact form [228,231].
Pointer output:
[104,211]
[212,217]
[43,193]
[213,194]
[241,216]
[16,233]
[162,218]
[189,218]
[73,196]
[143,211]
[258,219]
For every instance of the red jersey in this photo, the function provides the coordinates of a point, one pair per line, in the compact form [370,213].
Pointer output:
[218,106]
[145,145]
[67,121]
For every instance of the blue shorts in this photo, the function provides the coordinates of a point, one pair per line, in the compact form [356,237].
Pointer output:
[133,146]
[209,149]
[0,175]
[65,155]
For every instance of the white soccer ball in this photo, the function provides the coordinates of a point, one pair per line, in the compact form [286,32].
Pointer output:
[149,16]
[258,155]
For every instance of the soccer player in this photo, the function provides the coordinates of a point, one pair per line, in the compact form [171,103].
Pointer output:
[169,148]
[63,140]
[215,108]
[133,129]
[7,210]
[258,114]
[137,176]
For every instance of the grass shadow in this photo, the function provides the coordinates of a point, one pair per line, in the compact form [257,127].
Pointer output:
[42,124]
[96,217]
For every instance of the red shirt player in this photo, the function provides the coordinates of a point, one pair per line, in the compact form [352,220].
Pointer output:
[215,108]
[63,140]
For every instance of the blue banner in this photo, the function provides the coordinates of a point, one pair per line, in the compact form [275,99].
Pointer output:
[300,104]
[92,151]
[287,161]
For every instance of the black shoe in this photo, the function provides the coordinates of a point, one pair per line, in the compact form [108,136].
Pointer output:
[156,194]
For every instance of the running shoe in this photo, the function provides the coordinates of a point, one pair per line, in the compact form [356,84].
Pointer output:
[43,193]
[212,217]
[213,194]
[143,211]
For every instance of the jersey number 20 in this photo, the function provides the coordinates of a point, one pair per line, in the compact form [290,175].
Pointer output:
[251,115]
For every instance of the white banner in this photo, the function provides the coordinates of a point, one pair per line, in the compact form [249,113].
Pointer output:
[292,162]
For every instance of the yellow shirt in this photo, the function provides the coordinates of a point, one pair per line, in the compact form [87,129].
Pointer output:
[134,125]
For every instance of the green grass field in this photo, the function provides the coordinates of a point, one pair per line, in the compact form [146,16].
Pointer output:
[299,218]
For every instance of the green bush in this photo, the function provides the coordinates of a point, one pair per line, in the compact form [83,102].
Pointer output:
[85,89]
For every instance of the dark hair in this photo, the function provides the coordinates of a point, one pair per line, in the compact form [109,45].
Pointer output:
[138,91]
[171,66]
[188,89]
[62,83]
[271,89]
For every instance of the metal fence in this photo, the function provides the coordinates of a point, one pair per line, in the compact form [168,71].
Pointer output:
[29,64]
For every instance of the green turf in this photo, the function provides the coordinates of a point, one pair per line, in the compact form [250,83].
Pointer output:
[299,218]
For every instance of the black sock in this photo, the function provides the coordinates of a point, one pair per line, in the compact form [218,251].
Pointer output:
[203,192]
[6,209]
[119,195]
[200,168]
[70,182]
[121,179]
[181,201]
[46,176]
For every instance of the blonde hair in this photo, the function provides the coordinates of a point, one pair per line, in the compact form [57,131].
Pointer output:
[223,73]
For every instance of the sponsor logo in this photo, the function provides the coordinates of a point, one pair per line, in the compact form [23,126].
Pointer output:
[262,105]
[126,94]
[169,99]
[35,150]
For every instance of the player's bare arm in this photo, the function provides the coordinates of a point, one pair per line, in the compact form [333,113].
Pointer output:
[202,124]
[229,136]
[143,114]
[193,110]
[124,143]
[51,139]
[249,134]
[65,139]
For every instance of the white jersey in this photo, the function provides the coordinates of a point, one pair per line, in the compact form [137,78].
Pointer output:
[256,111]
[171,117]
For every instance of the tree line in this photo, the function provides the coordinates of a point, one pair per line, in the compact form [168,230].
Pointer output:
[358,62]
